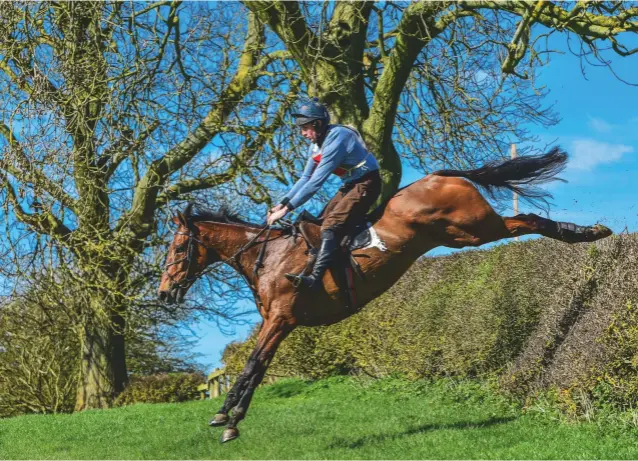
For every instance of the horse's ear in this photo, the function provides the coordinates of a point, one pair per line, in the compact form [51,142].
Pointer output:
[182,218]
[179,219]
[188,209]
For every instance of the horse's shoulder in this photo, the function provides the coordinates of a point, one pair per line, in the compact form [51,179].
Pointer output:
[312,232]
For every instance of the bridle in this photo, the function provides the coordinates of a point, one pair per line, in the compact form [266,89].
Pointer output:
[192,240]
[185,282]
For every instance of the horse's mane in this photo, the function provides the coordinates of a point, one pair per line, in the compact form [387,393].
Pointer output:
[221,215]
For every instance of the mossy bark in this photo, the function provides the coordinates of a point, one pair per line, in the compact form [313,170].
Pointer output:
[103,365]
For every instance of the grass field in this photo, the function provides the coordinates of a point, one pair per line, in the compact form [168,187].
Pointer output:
[337,418]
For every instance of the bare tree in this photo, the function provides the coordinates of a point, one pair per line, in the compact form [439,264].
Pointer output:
[438,82]
[107,115]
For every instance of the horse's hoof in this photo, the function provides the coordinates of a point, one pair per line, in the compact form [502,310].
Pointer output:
[220,419]
[229,434]
[602,231]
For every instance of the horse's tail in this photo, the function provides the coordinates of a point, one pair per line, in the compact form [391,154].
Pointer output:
[519,175]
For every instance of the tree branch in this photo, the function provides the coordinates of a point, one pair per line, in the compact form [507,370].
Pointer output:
[20,82]
[350,22]
[240,161]
[587,25]
[583,23]
[517,49]
[42,223]
[287,21]
[24,170]
[139,220]
[17,61]
[417,26]
[123,149]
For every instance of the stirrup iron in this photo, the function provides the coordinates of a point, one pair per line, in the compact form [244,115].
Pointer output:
[295,279]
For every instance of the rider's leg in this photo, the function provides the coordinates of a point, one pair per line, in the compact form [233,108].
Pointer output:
[344,211]
[325,256]
[353,205]
[332,203]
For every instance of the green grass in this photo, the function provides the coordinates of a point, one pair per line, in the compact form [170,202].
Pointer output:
[337,418]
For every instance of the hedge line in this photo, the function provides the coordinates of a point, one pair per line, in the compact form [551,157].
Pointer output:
[535,315]
[161,388]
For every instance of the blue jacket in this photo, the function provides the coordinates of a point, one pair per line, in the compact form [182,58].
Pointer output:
[343,153]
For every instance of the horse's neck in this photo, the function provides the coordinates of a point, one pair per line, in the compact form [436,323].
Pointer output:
[227,239]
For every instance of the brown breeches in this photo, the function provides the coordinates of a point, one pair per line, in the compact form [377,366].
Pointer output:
[350,205]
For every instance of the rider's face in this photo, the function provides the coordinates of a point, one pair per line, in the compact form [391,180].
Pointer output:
[311,131]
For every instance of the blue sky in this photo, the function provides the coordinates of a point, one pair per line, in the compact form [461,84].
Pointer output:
[598,128]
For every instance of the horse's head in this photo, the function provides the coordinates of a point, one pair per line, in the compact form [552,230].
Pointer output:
[187,259]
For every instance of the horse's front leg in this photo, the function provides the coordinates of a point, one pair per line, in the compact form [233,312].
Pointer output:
[222,416]
[237,390]
[273,331]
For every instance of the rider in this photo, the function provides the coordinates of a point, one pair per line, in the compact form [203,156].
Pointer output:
[335,149]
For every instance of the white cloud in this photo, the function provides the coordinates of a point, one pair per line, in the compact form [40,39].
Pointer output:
[586,154]
[599,125]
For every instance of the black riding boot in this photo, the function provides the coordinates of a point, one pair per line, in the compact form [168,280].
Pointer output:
[324,258]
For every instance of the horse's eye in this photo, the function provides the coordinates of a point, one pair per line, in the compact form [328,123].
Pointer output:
[180,249]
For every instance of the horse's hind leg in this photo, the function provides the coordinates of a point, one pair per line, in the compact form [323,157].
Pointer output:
[524,224]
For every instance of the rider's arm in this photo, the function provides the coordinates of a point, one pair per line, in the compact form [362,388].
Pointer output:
[333,152]
[305,176]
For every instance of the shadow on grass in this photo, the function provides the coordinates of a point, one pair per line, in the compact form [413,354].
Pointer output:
[377,438]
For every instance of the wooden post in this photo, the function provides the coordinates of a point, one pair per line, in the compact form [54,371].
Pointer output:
[514,155]
[216,383]
[214,388]
[202,388]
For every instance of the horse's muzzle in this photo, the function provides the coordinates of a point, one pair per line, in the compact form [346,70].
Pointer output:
[173,295]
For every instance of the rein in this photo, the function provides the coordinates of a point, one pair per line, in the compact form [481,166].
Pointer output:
[234,258]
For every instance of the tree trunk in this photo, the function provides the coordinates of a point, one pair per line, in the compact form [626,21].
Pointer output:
[103,365]
[391,170]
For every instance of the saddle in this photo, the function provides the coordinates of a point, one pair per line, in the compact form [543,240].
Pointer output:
[310,227]
[362,236]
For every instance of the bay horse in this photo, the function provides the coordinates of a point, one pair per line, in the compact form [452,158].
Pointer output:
[441,209]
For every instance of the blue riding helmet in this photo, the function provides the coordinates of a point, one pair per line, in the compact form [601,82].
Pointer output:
[310,111]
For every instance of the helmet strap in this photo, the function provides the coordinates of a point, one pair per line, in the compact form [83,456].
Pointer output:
[322,128]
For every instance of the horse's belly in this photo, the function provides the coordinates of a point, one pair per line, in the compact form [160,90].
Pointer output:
[381,278]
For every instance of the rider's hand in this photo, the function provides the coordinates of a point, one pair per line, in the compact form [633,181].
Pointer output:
[277,215]
[275,209]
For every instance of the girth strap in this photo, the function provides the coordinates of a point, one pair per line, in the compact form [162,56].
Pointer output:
[262,251]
